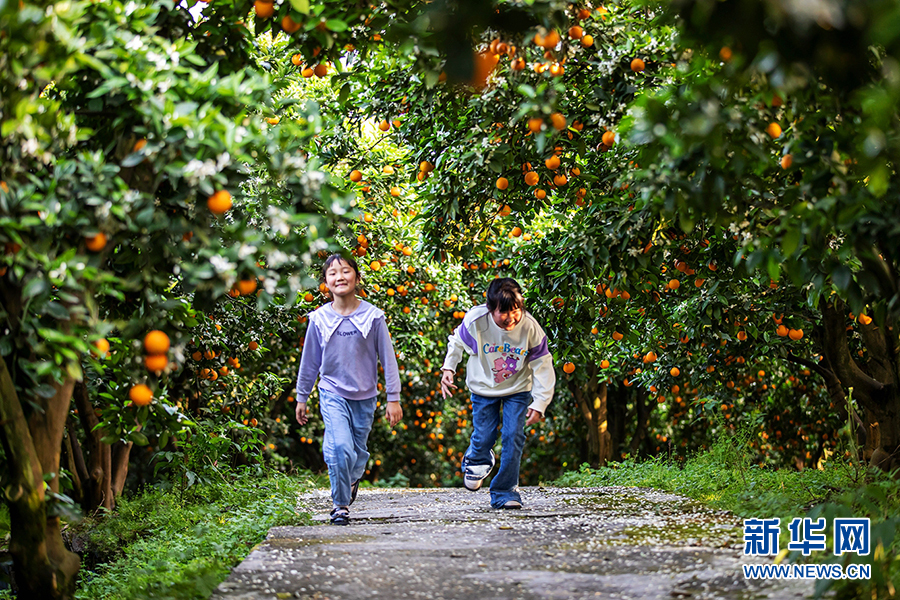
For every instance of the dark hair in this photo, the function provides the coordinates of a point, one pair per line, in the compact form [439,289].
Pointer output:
[504,293]
[347,259]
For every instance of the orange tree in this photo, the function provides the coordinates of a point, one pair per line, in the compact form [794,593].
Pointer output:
[635,132]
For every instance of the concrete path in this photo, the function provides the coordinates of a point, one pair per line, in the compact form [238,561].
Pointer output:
[448,544]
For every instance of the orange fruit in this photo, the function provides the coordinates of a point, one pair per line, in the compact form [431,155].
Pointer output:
[587,41]
[699,282]
[156,342]
[795,334]
[156,362]
[609,138]
[637,65]
[396,191]
[219,203]
[617,336]
[865,319]
[560,180]
[297,60]
[355,176]
[252,346]
[725,53]
[569,367]
[246,286]
[307,72]
[96,243]
[781,331]
[552,163]
[375,265]
[673,284]
[140,395]
[576,32]
[264,9]
[197,355]
[742,335]
[516,231]
[774,130]
[540,194]
[558,121]
[102,347]
[674,372]
[384,125]
[786,161]
[531,178]
[273,120]
[535,124]
[290,25]
[308,297]
[321,70]
[502,183]
[604,364]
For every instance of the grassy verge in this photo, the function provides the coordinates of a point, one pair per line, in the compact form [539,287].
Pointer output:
[723,478]
[165,545]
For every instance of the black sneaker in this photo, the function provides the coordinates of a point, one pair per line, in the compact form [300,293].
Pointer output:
[353,489]
[340,516]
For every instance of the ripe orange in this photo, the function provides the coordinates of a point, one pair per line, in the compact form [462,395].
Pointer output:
[140,395]
[197,355]
[246,286]
[307,72]
[617,336]
[558,121]
[308,297]
[321,70]
[384,125]
[560,180]
[396,191]
[673,284]
[535,124]
[290,25]
[156,342]
[674,372]
[552,163]
[355,176]
[297,60]
[540,194]
[264,9]
[637,65]
[516,231]
[576,32]
[375,265]
[531,178]
[604,364]
[699,282]
[219,203]
[587,41]
[786,161]
[156,362]
[569,367]
[609,138]
[102,347]
[774,130]
[865,319]
[725,53]
[502,183]
[96,243]
[795,334]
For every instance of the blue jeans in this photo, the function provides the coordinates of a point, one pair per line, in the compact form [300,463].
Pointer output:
[347,427]
[485,422]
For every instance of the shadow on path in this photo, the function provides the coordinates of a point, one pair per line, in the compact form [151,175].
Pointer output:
[567,543]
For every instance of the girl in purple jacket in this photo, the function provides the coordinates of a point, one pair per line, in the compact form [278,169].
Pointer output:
[344,342]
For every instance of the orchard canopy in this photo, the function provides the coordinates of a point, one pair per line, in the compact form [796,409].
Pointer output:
[700,199]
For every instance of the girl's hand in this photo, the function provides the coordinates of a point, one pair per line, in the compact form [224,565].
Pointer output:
[393,413]
[532,417]
[447,383]
[301,413]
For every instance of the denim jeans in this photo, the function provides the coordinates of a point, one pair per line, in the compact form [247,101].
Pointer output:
[347,427]
[485,421]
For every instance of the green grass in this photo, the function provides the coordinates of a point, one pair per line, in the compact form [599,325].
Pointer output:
[723,478]
[164,546]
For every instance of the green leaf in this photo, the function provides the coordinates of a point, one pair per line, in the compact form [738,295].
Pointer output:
[138,438]
[35,287]
[790,241]
[301,6]
[336,25]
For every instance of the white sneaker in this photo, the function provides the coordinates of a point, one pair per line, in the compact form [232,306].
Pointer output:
[512,504]
[476,474]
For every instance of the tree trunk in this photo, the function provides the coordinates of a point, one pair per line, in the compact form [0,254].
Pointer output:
[98,485]
[44,568]
[642,410]
[876,390]
[591,398]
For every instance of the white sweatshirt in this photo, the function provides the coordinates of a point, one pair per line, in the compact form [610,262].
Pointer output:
[503,362]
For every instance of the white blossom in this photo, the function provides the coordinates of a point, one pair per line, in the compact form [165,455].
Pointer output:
[221,264]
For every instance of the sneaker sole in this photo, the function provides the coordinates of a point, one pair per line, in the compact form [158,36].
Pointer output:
[476,483]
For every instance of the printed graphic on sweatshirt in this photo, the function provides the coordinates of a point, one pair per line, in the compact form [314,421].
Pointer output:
[507,364]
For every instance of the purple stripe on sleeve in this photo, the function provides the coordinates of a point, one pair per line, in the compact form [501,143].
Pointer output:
[538,351]
[467,338]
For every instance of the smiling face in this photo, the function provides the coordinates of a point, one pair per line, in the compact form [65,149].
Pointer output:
[507,320]
[341,278]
